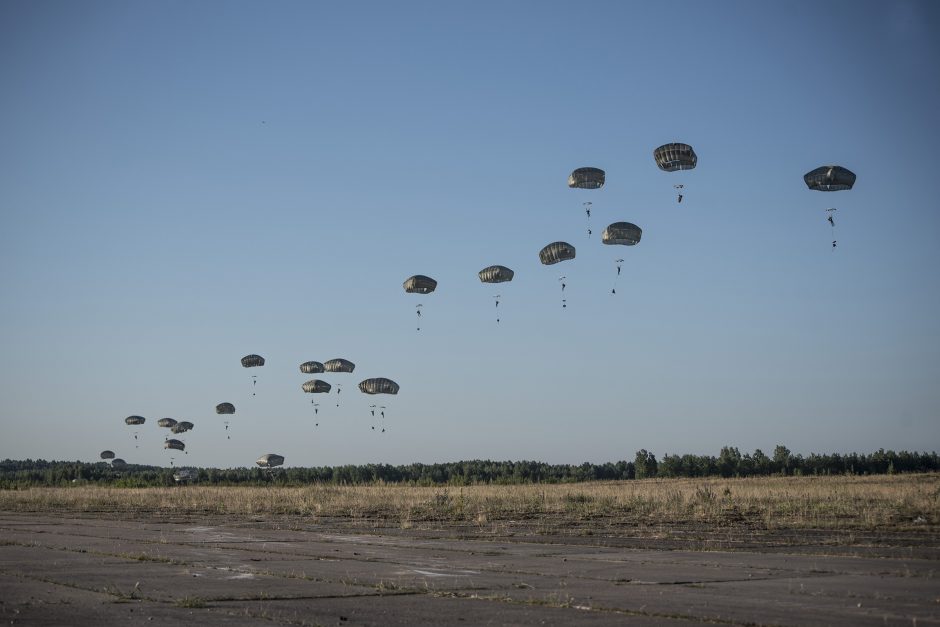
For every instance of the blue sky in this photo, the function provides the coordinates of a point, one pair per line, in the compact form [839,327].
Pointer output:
[185,183]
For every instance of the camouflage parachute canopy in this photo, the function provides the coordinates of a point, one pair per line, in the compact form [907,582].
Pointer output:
[174,444]
[379,385]
[117,462]
[311,367]
[830,178]
[166,422]
[339,365]
[185,474]
[107,454]
[270,460]
[555,252]
[316,386]
[623,233]
[252,361]
[586,178]
[496,274]
[135,420]
[225,408]
[675,156]
[182,427]
[419,284]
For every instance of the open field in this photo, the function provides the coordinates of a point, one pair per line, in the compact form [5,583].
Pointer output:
[827,551]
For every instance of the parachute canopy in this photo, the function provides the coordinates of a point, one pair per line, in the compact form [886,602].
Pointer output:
[135,420]
[225,408]
[174,444]
[586,178]
[166,422]
[339,365]
[182,427]
[311,367]
[107,454]
[270,460]
[675,156]
[830,178]
[496,274]
[555,252]
[252,361]
[380,385]
[117,462]
[623,233]
[185,474]
[419,284]
[315,386]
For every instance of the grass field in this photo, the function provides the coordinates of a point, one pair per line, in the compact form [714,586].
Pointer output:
[870,503]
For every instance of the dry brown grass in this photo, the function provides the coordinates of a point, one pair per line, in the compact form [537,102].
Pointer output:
[887,502]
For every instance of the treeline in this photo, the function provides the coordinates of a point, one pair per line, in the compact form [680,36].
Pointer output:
[728,463]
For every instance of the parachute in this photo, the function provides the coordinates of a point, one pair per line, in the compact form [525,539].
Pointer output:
[338,365]
[174,444]
[135,421]
[117,462]
[270,460]
[557,252]
[316,386]
[185,474]
[225,409]
[624,234]
[419,284]
[675,157]
[311,367]
[496,274]
[253,361]
[182,427]
[379,385]
[107,454]
[830,178]
[166,422]
[586,178]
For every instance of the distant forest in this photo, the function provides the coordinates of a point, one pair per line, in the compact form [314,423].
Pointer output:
[729,463]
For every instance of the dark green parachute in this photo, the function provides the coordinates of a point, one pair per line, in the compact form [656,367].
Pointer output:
[174,444]
[311,367]
[379,385]
[623,233]
[182,427]
[316,386]
[419,284]
[829,178]
[338,365]
[252,361]
[675,156]
[135,420]
[496,274]
[166,422]
[270,460]
[225,408]
[117,462]
[556,252]
[586,178]
[107,454]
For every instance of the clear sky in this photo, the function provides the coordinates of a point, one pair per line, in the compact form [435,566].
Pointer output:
[184,183]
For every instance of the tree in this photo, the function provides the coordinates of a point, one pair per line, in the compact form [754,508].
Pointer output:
[645,464]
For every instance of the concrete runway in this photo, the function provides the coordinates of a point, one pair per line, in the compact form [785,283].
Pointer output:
[58,570]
